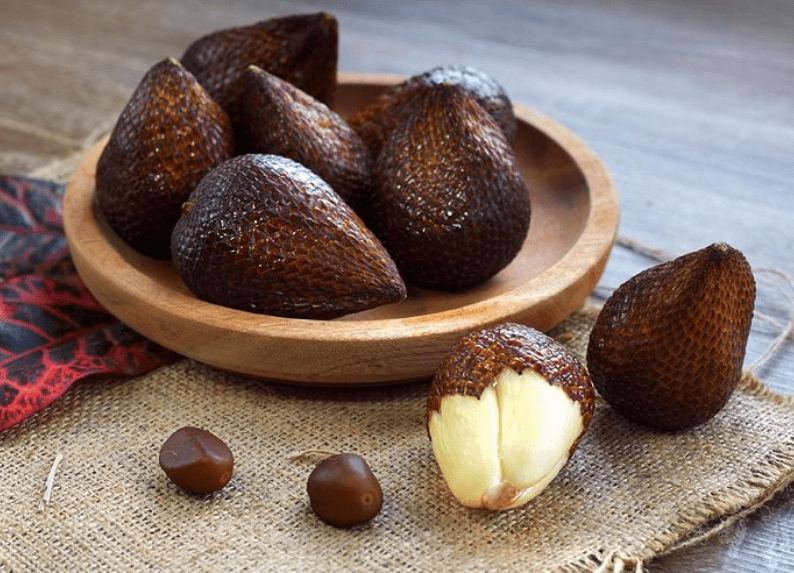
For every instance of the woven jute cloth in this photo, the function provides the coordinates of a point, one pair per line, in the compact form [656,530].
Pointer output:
[626,495]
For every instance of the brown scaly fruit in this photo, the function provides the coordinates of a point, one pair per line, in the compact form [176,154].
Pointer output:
[449,201]
[301,49]
[265,234]
[667,348]
[281,119]
[505,412]
[168,136]
[381,117]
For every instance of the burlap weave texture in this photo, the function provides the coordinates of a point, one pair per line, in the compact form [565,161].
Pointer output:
[626,495]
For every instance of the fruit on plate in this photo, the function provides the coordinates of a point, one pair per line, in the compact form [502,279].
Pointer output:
[281,119]
[301,49]
[667,348]
[167,137]
[343,491]
[505,412]
[263,233]
[380,117]
[448,200]
[446,195]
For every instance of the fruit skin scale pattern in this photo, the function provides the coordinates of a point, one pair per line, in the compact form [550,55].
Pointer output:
[668,347]
[261,225]
[477,360]
[449,202]
[378,119]
[505,412]
[168,136]
[301,49]
[281,119]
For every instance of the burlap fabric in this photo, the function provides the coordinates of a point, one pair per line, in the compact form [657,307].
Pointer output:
[626,495]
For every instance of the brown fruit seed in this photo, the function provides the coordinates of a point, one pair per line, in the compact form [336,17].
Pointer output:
[265,234]
[505,412]
[168,136]
[668,346]
[376,121]
[343,491]
[449,202]
[197,460]
[281,119]
[301,49]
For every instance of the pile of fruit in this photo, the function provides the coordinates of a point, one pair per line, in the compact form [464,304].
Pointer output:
[232,163]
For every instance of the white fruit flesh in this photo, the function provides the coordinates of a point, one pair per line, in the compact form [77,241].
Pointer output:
[503,449]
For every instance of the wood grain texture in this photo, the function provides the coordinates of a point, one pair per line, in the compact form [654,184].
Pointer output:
[690,104]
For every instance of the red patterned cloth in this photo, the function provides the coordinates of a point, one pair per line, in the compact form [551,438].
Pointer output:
[53,332]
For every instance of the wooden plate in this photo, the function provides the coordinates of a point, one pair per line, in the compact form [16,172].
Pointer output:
[575,214]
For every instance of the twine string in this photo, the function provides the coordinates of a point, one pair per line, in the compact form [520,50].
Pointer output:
[785,329]
[50,483]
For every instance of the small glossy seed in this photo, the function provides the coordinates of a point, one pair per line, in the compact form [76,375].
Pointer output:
[196,460]
[343,491]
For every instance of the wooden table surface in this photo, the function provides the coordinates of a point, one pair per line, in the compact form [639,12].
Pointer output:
[690,104]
